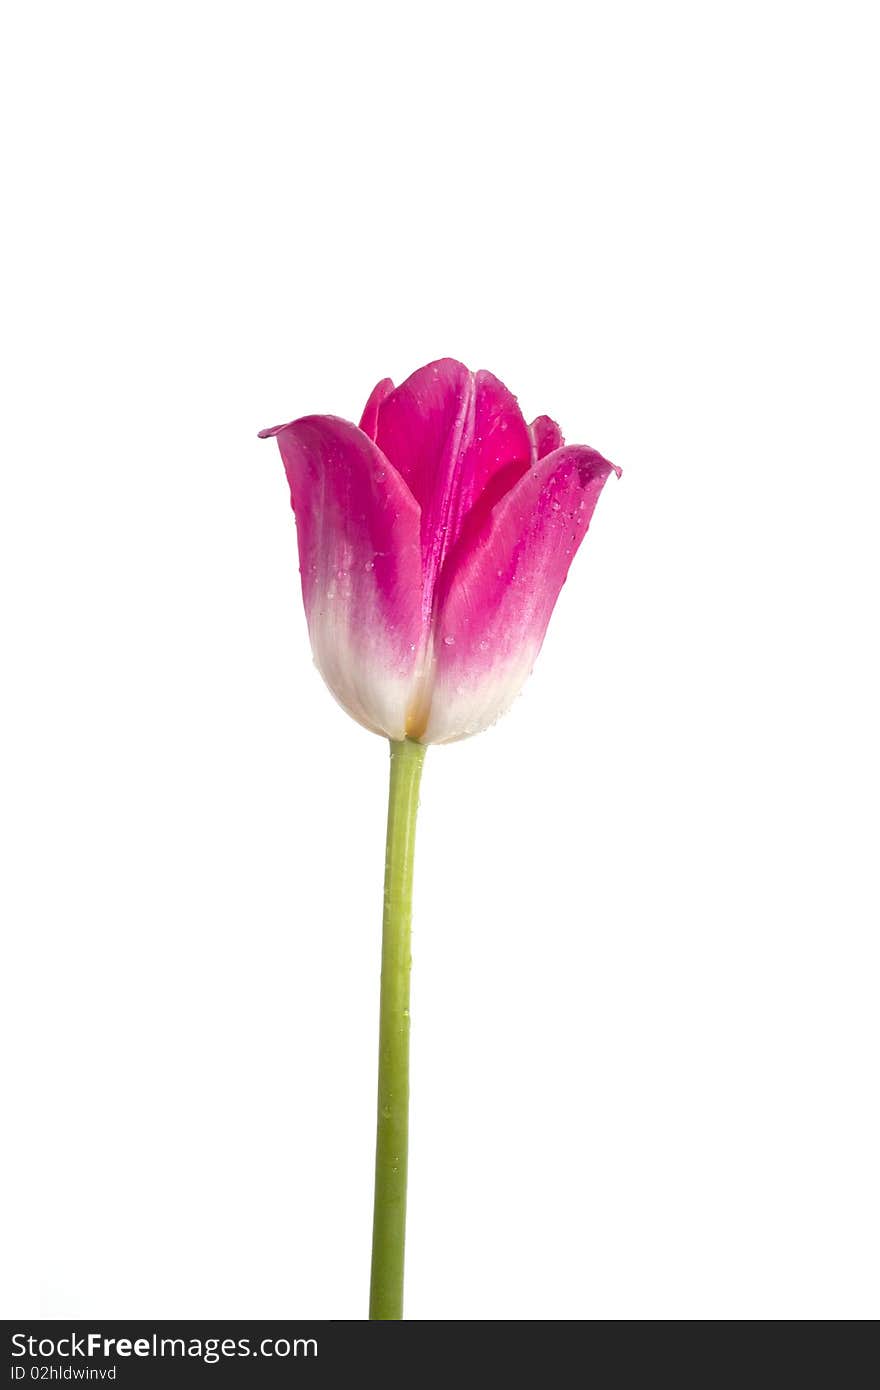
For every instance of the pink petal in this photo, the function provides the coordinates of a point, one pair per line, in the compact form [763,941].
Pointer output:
[546,435]
[421,424]
[370,417]
[358,530]
[501,435]
[451,434]
[497,594]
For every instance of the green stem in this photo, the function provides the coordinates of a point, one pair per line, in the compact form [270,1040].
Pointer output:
[392,1123]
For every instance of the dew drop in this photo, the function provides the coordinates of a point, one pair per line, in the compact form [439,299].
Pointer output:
[555,506]
[386,1111]
[368,565]
[449,641]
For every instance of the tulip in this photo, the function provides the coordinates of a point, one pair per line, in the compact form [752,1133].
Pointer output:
[434,538]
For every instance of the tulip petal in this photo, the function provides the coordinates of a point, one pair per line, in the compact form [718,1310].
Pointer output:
[370,417]
[546,436]
[451,434]
[501,435]
[358,531]
[421,421]
[498,591]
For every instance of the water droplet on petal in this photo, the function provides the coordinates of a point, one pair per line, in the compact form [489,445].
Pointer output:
[368,565]
[449,641]
[555,506]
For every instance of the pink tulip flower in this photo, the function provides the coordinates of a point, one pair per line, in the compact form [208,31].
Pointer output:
[434,539]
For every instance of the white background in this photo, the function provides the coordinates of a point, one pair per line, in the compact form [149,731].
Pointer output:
[645,955]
